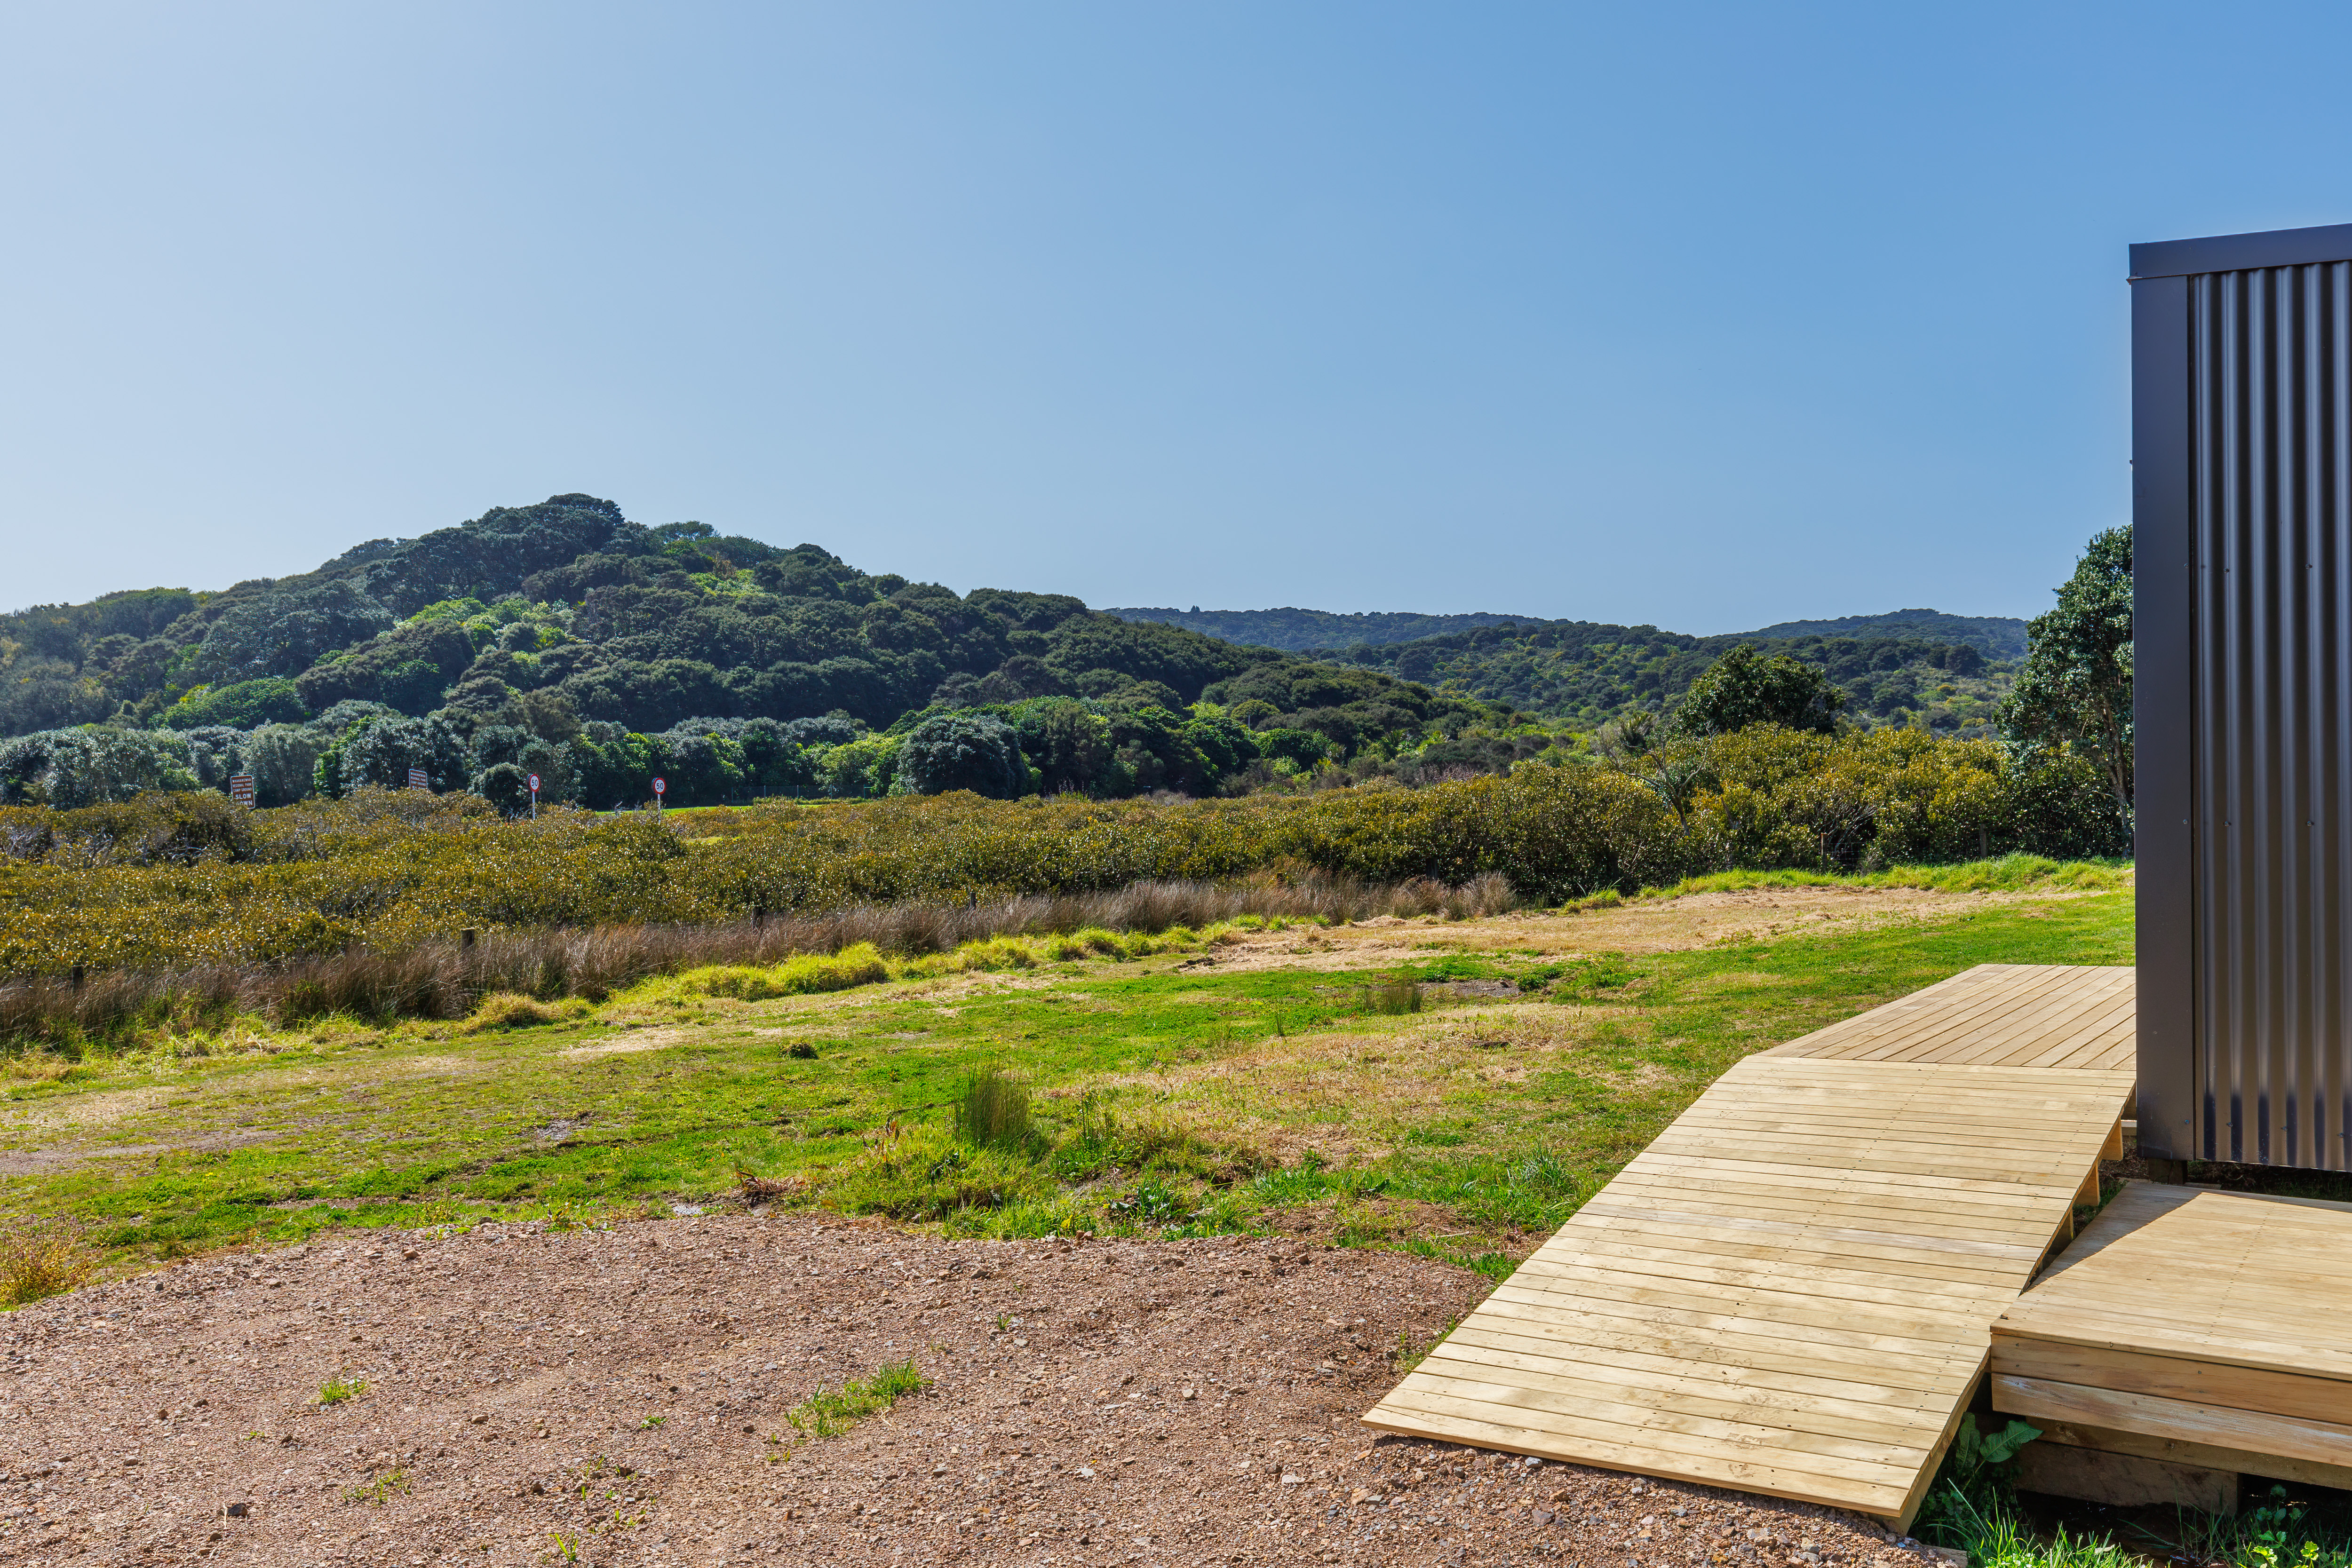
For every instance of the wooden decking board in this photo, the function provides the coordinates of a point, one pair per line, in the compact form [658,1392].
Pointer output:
[1791,1291]
[2020,1015]
[1762,1386]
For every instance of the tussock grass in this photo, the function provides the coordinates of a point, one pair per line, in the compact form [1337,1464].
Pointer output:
[857,965]
[43,1257]
[2007,874]
[504,1009]
[924,1172]
[443,979]
[995,1111]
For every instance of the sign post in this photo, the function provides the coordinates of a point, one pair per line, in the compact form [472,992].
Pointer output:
[660,786]
[240,789]
[535,797]
[416,780]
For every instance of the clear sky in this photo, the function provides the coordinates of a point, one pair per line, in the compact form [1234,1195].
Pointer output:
[1706,315]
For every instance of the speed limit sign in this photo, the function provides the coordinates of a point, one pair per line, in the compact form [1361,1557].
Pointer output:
[660,785]
[534,783]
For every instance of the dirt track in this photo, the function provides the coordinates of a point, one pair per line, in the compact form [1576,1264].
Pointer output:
[613,1394]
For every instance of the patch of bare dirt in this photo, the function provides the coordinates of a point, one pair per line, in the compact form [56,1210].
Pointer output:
[632,1043]
[43,1161]
[1661,925]
[530,1397]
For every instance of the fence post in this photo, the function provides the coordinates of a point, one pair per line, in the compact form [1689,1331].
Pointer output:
[80,975]
[466,940]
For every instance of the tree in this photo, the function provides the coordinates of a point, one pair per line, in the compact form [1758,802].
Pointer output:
[2076,687]
[1743,687]
[975,751]
[70,767]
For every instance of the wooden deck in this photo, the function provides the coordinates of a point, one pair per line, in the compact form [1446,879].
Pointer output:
[1791,1291]
[2007,1015]
[2196,1327]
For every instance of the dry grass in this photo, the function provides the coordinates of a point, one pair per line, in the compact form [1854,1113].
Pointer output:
[42,1258]
[1353,1093]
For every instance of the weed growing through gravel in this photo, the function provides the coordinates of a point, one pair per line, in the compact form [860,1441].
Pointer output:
[828,1413]
[42,1258]
[393,1482]
[337,1389]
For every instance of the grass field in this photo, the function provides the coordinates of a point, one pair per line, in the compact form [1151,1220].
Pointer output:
[1238,1079]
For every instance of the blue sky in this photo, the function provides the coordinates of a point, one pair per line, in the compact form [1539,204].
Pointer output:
[1705,316]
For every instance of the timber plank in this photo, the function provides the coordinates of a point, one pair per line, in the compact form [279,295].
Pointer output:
[2151,1415]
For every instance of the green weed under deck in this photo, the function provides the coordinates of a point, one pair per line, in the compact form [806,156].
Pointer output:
[1791,1292]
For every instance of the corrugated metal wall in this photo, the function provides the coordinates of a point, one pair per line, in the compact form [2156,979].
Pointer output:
[2266,518]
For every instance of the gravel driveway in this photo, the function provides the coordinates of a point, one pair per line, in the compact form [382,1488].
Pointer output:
[620,1396]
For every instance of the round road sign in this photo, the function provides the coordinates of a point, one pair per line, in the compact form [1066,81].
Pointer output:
[534,783]
[660,786]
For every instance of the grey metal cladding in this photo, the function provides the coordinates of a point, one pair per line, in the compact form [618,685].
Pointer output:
[2243,520]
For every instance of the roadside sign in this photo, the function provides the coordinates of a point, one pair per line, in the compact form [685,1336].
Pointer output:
[534,783]
[660,785]
[240,789]
[416,780]
[535,797]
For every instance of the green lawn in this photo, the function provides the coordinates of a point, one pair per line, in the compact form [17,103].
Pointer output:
[1166,1099]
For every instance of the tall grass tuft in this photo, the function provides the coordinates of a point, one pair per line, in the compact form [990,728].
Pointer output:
[42,1258]
[995,1111]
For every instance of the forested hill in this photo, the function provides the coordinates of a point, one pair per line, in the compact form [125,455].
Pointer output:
[1586,672]
[1297,630]
[564,625]
[1994,636]
[1320,630]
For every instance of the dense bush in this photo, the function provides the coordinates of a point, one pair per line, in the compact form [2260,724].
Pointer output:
[175,880]
[244,706]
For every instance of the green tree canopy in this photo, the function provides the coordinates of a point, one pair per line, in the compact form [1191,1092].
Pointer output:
[975,751]
[2076,687]
[1744,687]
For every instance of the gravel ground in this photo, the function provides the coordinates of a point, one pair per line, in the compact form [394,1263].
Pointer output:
[616,1398]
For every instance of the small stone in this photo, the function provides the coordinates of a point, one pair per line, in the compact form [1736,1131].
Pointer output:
[1291,1480]
[1084,1472]
[237,1510]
